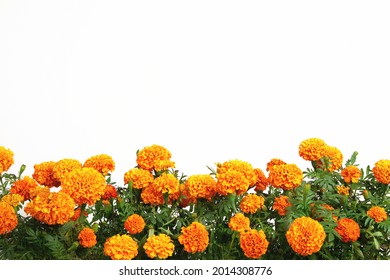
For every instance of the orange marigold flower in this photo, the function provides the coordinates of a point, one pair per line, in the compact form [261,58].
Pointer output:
[110,192]
[239,223]
[121,247]
[154,157]
[185,197]
[241,166]
[160,246]
[141,178]
[273,162]
[253,243]
[12,199]
[150,195]
[381,171]
[64,166]
[377,213]
[102,163]
[77,214]
[8,218]
[195,238]
[305,236]
[24,187]
[343,190]
[166,183]
[335,158]
[285,176]
[312,149]
[230,182]
[85,185]
[134,224]
[262,181]
[6,159]
[251,203]
[44,174]
[87,238]
[201,186]
[351,173]
[51,207]
[280,204]
[348,229]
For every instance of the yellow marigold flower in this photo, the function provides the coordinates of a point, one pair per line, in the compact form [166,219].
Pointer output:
[160,246]
[348,229]
[87,238]
[231,181]
[273,162]
[280,204]
[102,163]
[285,176]
[12,199]
[24,187]
[110,192]
[150,195]
[44,174]
[6,159]
[85,185]
[64,166]
[343,190]
[154,157]
[334,156]
[253,243]
[251,203]
[166,183]
[134,224]
[201,186]
[381,171]
[241,166]
[141,178]
[377,213]
[312,149]
[239,223]
[195,238]
[51,207]
[121,247]
[305,236]
[351,173]
[262,181]
[8,218]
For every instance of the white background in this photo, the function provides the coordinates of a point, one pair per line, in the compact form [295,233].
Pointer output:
[208,80]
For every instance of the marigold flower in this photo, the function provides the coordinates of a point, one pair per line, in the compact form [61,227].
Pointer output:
[343,190]
[154,157]
[24,187]
[239,223]
[121,247]
[87,238]
[64,166]
[134,224]
[280,204]
[273,162]
[51,207]
[12,199]
[102,163]
[348,229]
[8,218]
[150,195]
[6,159]
[160,246]
[230,182]
[77,214]
[253,243]
[201,186]
[305,236]
[251,203]
[110,192]
[44,174]
[141,178]
[377,213]
[262,181]
[186,197]
[312,149]
[381,171]
[166,183]
[351,173]
[195,238]
[241,166]
[85,185]
[285,176]
[335,158]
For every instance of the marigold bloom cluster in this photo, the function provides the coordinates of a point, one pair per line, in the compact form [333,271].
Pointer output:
[201,186]
[281,204]
[305,236]
[251,203]
[273,162]
[64,166]
[285,176]
[166,183]
[85,185]
[109,192]
[335,158]
[241,166]
[262,180]
[195,238]
[343,190]
[312,149]
[25,187]
[152,196]
[239,222]
[8,219]
[350,174]
[253,243]
[51,207]
[231,181]
[154,157]
[377,213]
[102,163]
[140,178]
[121,247]
[12,199]
[6,159]
[381,171]
[348,229]
[87,238]
[160,246]
[44,174]
[134,224]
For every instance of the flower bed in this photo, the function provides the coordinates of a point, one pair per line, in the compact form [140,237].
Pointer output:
[72,210]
